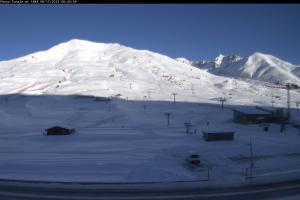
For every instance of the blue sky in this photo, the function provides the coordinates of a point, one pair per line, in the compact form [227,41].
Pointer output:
[194,31]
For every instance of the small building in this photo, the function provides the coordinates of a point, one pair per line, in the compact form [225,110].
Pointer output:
[57,130]
[103,99]
[217,135]
[255,115]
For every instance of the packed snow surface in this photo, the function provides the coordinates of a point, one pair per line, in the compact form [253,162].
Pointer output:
[128,139]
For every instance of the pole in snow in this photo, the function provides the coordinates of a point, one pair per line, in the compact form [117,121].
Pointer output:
[174,97]
[251,157]
[222,100]
[187,125]
[168,117]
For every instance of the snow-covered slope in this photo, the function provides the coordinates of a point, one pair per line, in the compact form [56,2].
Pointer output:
[84,67]
[183,60]
[257,66]
[296,71]
[88,68]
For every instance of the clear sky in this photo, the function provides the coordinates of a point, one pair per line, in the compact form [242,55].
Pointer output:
[194,31]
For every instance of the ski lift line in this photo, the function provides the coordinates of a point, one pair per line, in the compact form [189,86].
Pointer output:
[288,87]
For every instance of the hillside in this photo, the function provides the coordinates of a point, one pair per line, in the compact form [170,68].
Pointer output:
[88,68]
[84,67]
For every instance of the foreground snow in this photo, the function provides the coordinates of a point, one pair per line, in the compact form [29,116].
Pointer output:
[125,141]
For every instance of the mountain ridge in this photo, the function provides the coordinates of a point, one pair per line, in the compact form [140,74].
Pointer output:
[99,69]
[257,66]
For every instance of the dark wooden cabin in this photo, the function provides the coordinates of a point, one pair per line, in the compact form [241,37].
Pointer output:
[57,130]
[217,136]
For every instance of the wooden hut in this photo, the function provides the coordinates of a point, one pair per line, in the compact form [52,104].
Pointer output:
[57,130]
[217,135]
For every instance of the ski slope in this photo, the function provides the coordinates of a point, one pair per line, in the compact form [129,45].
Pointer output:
[122,141]
[88,68]
[127,139]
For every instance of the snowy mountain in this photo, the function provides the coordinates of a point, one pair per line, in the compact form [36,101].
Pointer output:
[198,64]
[257,66]
[84,67]
[260,67]
[98,69]
[222,60]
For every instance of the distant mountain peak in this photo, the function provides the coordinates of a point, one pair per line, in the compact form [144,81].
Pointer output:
[219,59]
[270,59]
[223,60]
[259,66]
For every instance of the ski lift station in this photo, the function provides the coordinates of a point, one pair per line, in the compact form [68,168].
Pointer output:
[255,115]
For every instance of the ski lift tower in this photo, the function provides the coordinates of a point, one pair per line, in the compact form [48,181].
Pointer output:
[222,100]
[288,87]
[174,96]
